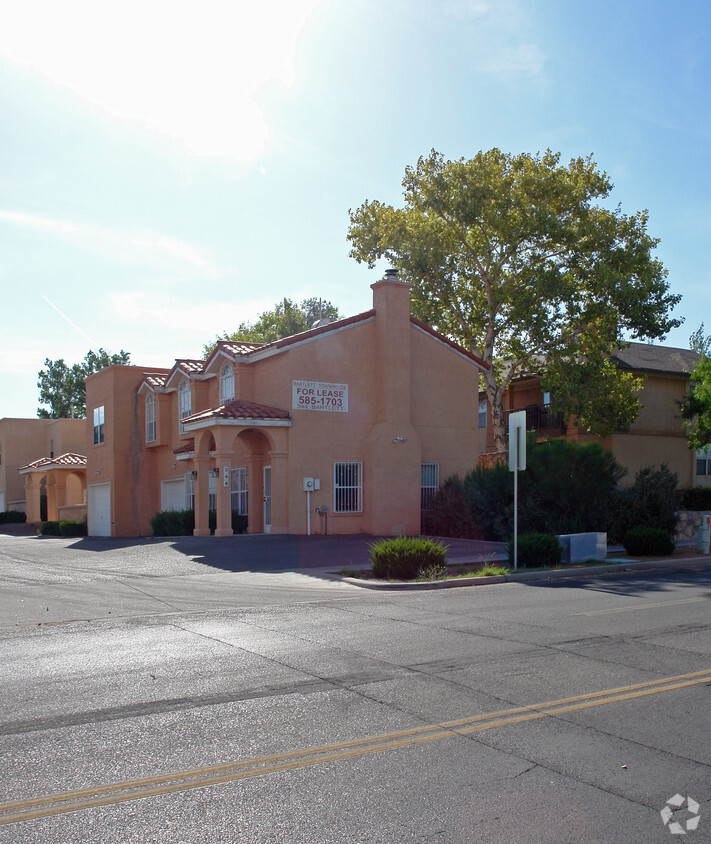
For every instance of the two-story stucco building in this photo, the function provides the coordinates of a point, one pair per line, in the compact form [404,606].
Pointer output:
[346,427]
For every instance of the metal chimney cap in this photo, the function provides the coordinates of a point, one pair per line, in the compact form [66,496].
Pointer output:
[391,275]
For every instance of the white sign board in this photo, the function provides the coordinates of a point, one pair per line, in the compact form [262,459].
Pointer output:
[318,395]
[517,440]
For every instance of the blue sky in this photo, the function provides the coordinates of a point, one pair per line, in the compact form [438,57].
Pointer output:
[169,169]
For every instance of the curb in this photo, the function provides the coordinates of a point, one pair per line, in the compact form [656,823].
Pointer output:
[681,564]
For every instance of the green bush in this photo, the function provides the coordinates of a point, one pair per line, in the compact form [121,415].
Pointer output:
[50,529]
[536,550]
[69,528]
[173,523]
[403,558]
[12,517]
[698,498]
[642,541]
[449,514]
[653,501]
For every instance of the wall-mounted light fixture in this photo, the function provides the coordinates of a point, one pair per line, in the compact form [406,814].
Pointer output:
[174,466]
[400,440]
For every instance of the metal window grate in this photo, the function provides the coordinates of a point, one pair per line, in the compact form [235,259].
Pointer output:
[189,491]
[239,490]
[429,484]
[347,487]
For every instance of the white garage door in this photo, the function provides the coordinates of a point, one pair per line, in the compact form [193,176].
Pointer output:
[172,495]
[99,507]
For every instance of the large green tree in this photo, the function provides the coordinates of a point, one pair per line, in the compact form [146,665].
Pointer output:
[513,257]
[696,407]
[62,387]
[285,318]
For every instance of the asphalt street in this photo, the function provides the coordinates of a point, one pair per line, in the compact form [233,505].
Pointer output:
[176,694]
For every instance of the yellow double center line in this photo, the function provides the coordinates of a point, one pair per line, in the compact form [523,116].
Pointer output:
[72,801]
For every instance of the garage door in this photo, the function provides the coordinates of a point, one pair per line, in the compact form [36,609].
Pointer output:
[99,507]
[172,495]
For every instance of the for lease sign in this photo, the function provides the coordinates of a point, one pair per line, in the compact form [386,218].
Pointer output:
[317,395]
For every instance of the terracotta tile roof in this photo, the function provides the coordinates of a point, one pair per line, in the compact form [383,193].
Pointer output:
[187,448]
[190,366]
[69,459]
[154,379]
[239,409]
[237,347]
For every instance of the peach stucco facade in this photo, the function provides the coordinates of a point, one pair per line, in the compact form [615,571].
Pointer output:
[366,407]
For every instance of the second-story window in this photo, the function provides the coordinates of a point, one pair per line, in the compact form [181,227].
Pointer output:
[227,384]
[98,425]
[150,418]
[482,413]
[185,402]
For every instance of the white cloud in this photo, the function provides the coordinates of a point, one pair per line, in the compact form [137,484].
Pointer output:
[139,247]
[191,71]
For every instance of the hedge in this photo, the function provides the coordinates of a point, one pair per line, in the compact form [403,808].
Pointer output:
[697,498]
[405,557]
[646,541]
[12,517]
[536,550]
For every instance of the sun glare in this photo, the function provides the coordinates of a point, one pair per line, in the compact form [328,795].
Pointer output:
[187,70]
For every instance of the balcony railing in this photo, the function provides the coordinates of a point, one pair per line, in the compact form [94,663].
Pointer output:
[540,417]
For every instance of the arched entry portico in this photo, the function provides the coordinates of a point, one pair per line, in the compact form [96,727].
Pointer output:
[64,480]
[236,435]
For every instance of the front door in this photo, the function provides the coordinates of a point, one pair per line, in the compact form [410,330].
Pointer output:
[267,499]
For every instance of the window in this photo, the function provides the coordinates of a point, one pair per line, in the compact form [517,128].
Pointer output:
[546,399]
[703,461]
[347,487]
[185,402]
[189,491]
[98,425]
[482,413]
[150,418]
[239,491]
[429,485]
[227,384]
[51,448]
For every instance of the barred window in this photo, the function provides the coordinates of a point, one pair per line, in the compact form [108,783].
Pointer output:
[227,384]
[212,490]
[239,490]
[347,487]
[150,418]
[429,484]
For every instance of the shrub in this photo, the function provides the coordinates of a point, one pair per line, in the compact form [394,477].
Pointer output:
[643,541]
[536,550]
[653,501]
[698,498]
[69,528]
[403,558]
[449,514]
[50,529]
[9,517]
[173,523]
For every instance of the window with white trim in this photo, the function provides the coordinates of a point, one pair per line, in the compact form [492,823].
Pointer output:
[227,384]
[150,418]
[347,487]
[239,491]
[185,402]
[189,491]
[482,413]
[98,425]
[429,485]
[703,461]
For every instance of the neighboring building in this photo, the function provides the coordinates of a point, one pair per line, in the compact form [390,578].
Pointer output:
[43,458]
[346,427]
[656,436]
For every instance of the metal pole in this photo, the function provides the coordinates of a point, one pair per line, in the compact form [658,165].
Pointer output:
[516,464]
[308,512]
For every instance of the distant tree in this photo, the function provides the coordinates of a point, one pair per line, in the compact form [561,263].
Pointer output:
[285,319]
[696,407]
[513,257]
[699,342]
[63,388]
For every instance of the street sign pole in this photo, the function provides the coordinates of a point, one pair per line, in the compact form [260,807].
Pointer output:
[517,460]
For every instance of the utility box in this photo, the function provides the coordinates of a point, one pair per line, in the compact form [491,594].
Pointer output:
[703,537]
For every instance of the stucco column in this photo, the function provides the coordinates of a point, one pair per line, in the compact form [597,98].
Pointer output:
[201,494]
[51,499]
[33,491]
[280,492]
[224,494]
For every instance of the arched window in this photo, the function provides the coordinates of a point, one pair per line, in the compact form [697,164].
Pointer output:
[185,402]
[227,384]
[150,418]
